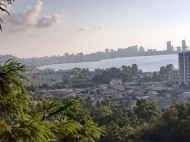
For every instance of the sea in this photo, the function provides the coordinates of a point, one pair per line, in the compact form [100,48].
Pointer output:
[146,63]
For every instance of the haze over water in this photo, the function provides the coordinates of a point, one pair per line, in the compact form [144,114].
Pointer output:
[146,63]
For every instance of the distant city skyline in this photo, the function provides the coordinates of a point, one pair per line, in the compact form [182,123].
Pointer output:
[53,28]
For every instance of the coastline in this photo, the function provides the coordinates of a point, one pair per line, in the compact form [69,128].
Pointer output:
[102,59]
[146,63]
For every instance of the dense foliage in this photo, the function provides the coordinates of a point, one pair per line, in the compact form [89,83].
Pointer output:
[145,123]
[25,118]
[125,73]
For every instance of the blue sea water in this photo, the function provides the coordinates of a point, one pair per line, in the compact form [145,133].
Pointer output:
[146,63]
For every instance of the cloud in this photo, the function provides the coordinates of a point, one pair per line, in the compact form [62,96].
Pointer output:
[100,27]
[23,20]
[20,21]
[48,21]
[86,28]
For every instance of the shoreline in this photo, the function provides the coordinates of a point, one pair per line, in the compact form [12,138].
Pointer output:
[103,59]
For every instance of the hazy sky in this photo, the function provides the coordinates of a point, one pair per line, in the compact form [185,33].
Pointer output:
[54,27]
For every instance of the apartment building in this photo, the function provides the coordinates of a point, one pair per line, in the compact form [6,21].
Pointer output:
[52,78]
[184,70]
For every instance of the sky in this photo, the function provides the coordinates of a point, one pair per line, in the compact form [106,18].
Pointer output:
[37,28]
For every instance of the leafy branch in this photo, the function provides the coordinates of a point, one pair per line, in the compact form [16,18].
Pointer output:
[3,8]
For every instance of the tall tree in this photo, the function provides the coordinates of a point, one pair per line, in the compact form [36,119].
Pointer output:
[146,110]
[134,69]
[15,109]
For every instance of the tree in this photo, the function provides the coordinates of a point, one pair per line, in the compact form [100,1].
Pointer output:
[124,68]
[24,119]
[15,109]
[124,76]
[169,67]
[154,76]
[140,71]
[162,71]
[134,69]
[146,110]
[72,122]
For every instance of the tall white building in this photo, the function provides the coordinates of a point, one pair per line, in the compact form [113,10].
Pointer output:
[184,67]
[169,46]
[184,47]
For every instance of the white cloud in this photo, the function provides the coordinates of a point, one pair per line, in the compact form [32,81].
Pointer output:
[47,21]
[23,20]
[85,28]
[19,21]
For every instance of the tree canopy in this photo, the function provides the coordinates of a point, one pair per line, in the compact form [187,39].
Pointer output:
[23,118]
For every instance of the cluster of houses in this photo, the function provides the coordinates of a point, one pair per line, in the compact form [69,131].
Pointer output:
[127,94]
[116,92]
[38,77]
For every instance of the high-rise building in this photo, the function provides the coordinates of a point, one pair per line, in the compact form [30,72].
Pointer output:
[184,47]
[141,49]
[149,50]
[184,67]
[169,46]
[106,51]
[173,75]
[133,49]
[172,48]
[111,50]
[66,54]
[178,49]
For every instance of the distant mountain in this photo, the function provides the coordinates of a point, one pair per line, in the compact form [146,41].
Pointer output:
[4,58]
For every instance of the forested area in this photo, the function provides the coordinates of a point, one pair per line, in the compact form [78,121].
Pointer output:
[145,123]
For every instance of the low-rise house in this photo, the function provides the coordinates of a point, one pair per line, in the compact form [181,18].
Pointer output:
[35,79]
[150,83]
[185,95]
[135,78]
[103,86]
[115,81]
[145,74]
[96,99]
[52,78]
[118,96]
[153,93]
[175,85]
[144,97]
[118,87]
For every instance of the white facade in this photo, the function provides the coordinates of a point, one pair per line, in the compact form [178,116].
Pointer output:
[52,78]
[145,74]
[115,81]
